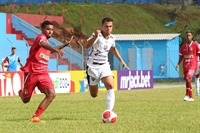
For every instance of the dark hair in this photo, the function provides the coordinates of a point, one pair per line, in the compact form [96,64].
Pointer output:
[13,48]
[46,23]
[107,19]
[188,31]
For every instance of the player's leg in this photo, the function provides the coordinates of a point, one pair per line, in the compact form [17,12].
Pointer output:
[93,90]
[188,79]
[46,86]
[30,83]
[92,83]
[110,98]
[92,86]
[197,75]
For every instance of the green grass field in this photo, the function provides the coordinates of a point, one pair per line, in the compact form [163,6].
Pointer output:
[139,111]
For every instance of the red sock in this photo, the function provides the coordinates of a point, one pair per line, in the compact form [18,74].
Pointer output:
[189,90]
[39,112]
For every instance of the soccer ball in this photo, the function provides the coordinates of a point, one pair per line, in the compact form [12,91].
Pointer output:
[109,116]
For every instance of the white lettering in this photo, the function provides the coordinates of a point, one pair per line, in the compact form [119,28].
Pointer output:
[9,88]
[16,83]
[2,77]
[135,81]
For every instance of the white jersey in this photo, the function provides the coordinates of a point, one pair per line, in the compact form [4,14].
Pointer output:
[198,55]
[98,53]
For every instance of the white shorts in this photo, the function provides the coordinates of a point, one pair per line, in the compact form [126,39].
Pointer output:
[198,70]
[95,74]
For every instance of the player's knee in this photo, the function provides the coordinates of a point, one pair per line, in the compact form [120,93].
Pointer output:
[51,95]
[109,86]
[25,100]
[93,95]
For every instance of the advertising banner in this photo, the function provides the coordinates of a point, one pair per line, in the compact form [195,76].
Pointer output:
[77,80]
[135,79]
[61,81]
[80,84]
[11,83]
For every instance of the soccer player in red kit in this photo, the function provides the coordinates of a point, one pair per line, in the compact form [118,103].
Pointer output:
[36,70]
[189,54]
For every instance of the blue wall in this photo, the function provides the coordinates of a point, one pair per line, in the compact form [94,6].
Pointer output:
[165,53]
[7,41]
[32,32]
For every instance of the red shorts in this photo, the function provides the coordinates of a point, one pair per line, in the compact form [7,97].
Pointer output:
[189,73]
[42,81]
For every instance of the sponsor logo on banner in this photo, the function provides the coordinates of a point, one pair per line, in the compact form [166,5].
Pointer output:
[10,83]
[61,82]
[129,80]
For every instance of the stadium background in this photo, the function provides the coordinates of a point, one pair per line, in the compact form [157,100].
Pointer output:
[14,29]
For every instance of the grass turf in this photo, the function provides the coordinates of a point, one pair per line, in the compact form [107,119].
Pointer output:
[139,111]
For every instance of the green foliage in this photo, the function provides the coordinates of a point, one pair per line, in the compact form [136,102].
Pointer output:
[140,111]
[8,3]
[128,18]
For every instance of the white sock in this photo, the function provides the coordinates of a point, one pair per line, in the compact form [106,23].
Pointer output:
[110,99]
[197,84]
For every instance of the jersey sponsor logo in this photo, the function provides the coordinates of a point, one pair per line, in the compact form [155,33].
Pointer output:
[42,55]
[188,60]
[188,56]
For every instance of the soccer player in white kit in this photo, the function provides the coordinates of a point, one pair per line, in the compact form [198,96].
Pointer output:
[98,67]
[197,73]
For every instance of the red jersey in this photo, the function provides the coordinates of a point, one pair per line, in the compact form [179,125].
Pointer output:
[38,59]
[190,55]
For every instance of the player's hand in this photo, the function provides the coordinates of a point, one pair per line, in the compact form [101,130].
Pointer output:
[68,42]
[124,65]
[97,31]
[177,67]
[60,52]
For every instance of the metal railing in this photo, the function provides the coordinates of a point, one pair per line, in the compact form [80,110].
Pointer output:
[66,49]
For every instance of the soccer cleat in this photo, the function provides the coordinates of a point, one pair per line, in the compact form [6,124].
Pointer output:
[186,98]
[197,94]
[36,119]
[190,99]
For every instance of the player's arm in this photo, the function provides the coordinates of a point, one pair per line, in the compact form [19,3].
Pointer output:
[20,62]
[116,54]
[47,46]
[52,49]
[92,39]
[66,44]
[179,61]
[2,64]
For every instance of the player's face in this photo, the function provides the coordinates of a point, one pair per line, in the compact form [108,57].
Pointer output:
[48,31]
[13,51]
[107,27]
[189,37]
